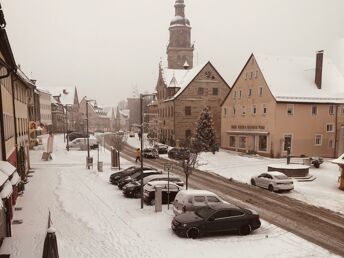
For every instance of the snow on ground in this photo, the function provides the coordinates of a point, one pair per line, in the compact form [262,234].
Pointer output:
[94,219]
[323,191]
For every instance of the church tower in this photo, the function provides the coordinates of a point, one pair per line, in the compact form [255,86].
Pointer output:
[180,50]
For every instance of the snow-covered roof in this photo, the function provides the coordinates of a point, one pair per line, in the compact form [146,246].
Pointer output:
[6,190]
[23,76]
[292,79]
[67,94]
[180,78]
[3,178]
[290,166]
[7,168]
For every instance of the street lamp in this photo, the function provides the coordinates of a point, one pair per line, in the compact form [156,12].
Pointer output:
[141,131]
[88,135]
[66,107]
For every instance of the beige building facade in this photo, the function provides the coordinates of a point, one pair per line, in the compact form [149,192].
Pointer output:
[277,103]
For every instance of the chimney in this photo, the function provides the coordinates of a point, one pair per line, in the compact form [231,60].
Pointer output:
[319,68]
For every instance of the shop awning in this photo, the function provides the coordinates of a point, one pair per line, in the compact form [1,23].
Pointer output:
[248,132]
[6,190]
[3,178]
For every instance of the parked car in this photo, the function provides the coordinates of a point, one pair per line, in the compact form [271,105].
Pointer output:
[161,148]
[178,153]
[150,153]
[191,200]
[133,188]
[316,161]
[74,135]
[78,143]
[168,191]
[273,181]
[116,177]
[136,177]
[219,218]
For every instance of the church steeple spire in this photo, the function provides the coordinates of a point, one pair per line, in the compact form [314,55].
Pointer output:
[180,50]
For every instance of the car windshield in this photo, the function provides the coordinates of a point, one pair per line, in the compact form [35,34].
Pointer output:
[204,212]
[137,174]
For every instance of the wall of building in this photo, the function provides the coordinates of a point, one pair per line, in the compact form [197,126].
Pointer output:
[45,108]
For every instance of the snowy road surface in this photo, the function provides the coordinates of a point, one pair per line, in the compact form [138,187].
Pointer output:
[93,219]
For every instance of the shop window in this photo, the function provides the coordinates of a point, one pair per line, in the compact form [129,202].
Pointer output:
[263,143]
[232,142]
[242,142]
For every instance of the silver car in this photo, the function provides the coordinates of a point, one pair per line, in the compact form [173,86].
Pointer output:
[273,181]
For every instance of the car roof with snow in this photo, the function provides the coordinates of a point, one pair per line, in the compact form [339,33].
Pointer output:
[276,173]
[196,192]
[162,183]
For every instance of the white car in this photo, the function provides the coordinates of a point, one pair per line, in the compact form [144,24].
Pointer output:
[80,142]
[273,181]
[191,200]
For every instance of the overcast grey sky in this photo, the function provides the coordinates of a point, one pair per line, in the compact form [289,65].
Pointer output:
[108,47]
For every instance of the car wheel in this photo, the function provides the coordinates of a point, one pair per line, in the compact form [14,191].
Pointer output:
[192,233]
[245,230]
[253,182]
[271,188]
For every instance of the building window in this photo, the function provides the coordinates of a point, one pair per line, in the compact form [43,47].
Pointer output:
[314,110]
[242,142]
[249,92]
[265,109]
[200,91]
[331,110]
[225,111]
[318,139]
[331,144]
[243,110]
[256,76]
[235,93]
[254,109]
[234,111]
[330,128]
[232,142]
[263,143]
[260,91]
[251,75]
[215,91]
[240,94]
[188,111]
[187,133]
[287,142]
[290,109]
[342,110]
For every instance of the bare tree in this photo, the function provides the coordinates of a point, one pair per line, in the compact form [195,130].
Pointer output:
[117,140]
[189,158]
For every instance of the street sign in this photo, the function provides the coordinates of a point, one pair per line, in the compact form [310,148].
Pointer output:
[168,167]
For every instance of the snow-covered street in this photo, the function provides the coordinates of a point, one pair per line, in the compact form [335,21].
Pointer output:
[93,219]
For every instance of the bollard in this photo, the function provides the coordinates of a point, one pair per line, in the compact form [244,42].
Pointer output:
[158,199]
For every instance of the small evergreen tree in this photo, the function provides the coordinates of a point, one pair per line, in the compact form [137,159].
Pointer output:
[205,133]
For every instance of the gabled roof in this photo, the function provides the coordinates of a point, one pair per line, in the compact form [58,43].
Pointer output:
[291,79]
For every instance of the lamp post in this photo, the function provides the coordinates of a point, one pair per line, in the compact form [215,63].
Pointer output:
[141,131]
[88,135]
[67,133]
